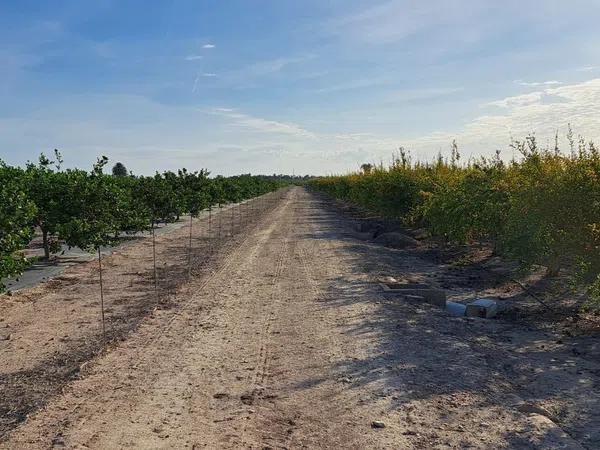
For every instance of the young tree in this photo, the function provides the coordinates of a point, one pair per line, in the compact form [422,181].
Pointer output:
[46,187]
[157,197]
[195,196]
[96,210]
[174,183]
[135,215]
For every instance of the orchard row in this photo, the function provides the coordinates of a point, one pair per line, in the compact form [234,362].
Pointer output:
[89,209]
[540,209]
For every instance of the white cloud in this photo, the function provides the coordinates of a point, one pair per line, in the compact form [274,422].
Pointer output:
[542,113]
[208,46]
[229,141]
[518,100]
[193,57]
[274,65]
[406,95]
[258,124]
[393,20]
[209,75]
[538,83]
[255,74]
[356,84]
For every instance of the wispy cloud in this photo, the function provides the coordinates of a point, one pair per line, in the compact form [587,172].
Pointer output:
[259,124]
[208,46]
[588,68]
[408,95]
[538,83]
[197,79]
[255,74]
[517,100]
[393,20]
[361,83]
[541,112]
[193,57]
[274,65]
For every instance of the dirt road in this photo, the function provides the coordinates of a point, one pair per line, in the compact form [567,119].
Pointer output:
[290,344]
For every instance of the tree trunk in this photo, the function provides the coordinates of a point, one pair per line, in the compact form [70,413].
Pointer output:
[46,244]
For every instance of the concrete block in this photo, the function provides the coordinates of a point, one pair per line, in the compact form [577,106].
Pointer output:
[483,307]
[456,309]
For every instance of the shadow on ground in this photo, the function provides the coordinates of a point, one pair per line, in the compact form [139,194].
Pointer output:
[420,353]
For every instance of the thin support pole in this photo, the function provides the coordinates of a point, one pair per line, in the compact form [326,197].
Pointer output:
[190,250]
[154,262]
[209,232]
[101,296]
[220,221]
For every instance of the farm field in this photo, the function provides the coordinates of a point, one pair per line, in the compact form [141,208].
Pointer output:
[282,338]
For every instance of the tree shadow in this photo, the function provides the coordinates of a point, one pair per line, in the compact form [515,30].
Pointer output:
[129,297]
[421,353]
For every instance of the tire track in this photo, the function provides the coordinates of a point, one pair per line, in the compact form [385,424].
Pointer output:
[263,358]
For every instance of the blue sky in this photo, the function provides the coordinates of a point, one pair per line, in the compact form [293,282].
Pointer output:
[288,86]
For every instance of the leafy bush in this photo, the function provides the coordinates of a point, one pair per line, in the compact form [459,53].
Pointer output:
[542,209]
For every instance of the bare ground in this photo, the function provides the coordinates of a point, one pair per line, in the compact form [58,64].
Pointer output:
[287,342]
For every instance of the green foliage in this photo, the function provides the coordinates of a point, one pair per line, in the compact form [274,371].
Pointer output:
[543,209]
[135,215]
[119,170]
[46,187]
[16,217]
[96,206]
[158,197]
[90,209]
[194,190]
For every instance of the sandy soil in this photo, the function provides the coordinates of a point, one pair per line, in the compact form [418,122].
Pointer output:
[48,332]
[288,342]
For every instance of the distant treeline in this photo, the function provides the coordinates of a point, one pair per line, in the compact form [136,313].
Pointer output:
[290,179]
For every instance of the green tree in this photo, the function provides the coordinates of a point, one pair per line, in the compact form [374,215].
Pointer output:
[119,170]
[17,212]
[96,212]
[46,188]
